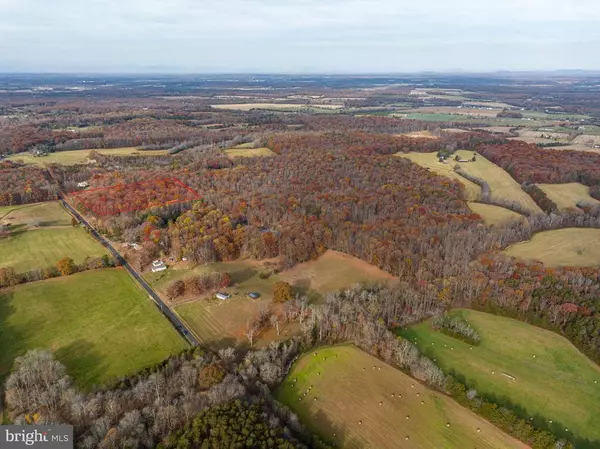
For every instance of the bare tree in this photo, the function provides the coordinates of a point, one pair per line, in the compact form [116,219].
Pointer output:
[274,320]
[251,331]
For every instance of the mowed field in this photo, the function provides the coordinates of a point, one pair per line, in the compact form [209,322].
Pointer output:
[494,215]
[34,215]
[41,248]
[502,185]
[568,195]
[41,234]
[80,156]
[572,247]
[97,323]
[357,401]
[248,152]
[552,379]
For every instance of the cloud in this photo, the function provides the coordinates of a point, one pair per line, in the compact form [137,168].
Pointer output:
[245,35]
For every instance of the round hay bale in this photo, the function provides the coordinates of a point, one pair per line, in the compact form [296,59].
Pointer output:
[407,417]
[360,422]
[406,437]
[478,429]
[380,403]
[422,402]
[392,395]
[418,394]
[447,424]
[315,399]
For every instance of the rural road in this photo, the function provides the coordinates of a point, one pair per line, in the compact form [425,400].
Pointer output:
[179,325]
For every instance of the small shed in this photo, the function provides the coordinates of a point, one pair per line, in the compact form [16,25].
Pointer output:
[253,295]
[223,296]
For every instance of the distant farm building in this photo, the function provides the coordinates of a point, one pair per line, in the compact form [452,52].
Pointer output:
[158,265]
[253,295]
[83,184]
[223,296]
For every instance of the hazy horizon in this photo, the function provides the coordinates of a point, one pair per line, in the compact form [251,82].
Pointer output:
[299,37]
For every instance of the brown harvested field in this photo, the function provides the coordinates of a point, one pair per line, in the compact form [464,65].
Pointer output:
[430,161]
[248,152]
[568,195]
[455,130]
[353,399]
[420,135]
[494,215]
[570,247]
[250,106]
[502,185]
[331,272]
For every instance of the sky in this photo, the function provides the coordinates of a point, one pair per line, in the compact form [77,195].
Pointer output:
[297,36]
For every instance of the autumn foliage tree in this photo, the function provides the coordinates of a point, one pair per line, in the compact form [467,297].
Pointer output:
[66,266]
[282,292]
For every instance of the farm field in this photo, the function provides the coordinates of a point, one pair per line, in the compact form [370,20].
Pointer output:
[97,323]
[430,161]
[420,135]
[575,247]
[250,106]
[568,195]
[248,152]
[40,248]
[80,156]
[350,403]
[502,185]
[332,271]
[220,323]
[494,215]
[552,379]
[35,215]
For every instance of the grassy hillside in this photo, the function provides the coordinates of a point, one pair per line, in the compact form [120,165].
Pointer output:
[97,323]
[333,271]
[550,380]
[573,247]
[358,401]
[502,185]
[430,161]
[568,195]
[248,152]
[494,215]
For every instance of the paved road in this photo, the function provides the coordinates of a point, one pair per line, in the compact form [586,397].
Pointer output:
[179,325]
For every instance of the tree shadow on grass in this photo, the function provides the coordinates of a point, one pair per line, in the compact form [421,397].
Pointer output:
[302,287]
[84,363]
[243,275]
